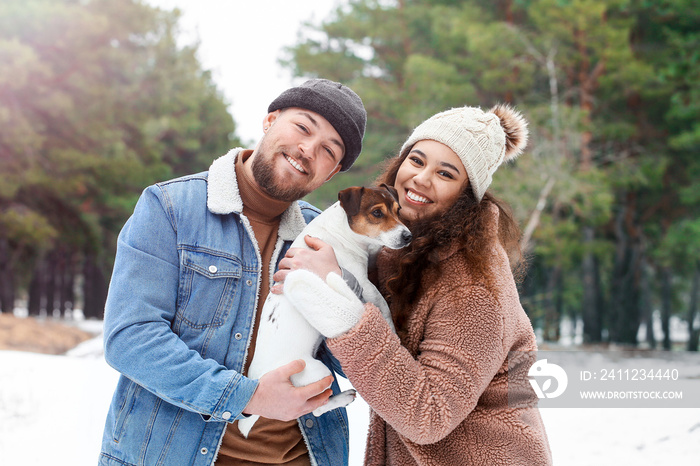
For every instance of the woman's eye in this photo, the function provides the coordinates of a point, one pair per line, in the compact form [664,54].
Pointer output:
[417,161]
[447,175]
[378,213]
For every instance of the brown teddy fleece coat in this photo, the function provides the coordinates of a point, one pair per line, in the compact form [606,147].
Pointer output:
[443,398]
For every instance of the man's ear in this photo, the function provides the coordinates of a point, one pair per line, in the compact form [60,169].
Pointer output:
[333,173]
[270,119]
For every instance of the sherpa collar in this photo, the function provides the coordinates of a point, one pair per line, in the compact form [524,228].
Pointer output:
[223,196]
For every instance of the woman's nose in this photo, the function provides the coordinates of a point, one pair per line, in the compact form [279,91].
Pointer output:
[422,178]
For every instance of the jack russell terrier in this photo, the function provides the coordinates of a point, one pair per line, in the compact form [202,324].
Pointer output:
[357,226]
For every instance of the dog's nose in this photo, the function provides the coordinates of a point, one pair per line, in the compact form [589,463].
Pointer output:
[406,236]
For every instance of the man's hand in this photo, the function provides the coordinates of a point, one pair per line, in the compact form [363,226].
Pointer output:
[320,259]
[277,398]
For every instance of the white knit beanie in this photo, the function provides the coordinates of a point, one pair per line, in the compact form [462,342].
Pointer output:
[482,140]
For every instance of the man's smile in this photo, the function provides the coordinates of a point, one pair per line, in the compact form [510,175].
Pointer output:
[294,163]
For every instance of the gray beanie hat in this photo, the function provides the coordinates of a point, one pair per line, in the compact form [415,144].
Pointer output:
[482,140]
[336,103]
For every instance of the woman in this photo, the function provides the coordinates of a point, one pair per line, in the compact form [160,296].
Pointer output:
[450,387]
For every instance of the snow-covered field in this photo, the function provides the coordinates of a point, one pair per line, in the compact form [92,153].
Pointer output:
[52,410]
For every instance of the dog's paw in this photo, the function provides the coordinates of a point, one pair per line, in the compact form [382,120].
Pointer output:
[336,401]
[314,371]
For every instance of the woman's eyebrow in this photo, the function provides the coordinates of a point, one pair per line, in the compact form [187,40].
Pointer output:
[444,164]
[449,165]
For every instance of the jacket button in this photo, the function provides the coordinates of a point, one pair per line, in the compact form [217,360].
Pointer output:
[226,416]
[213,269]
[249,282]
[204,451]
[309,423]
[238,336]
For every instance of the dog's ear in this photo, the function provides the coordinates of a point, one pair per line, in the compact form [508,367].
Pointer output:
[350,199]
[392,191]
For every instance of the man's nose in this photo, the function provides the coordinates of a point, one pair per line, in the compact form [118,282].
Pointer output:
[308,148]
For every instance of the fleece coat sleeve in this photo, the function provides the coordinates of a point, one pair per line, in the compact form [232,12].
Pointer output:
[426,397]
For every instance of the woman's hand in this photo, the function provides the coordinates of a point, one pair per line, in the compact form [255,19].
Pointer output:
[320,259]
[329,305]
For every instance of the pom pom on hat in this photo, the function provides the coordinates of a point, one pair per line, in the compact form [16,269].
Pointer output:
[482,140]
[515,127]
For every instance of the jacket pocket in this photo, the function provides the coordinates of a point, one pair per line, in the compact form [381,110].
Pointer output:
[209,283]
[125,408]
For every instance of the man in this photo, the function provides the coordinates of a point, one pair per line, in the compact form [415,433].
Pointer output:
[192,270]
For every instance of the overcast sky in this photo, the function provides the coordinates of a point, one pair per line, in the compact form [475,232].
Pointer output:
[241,42]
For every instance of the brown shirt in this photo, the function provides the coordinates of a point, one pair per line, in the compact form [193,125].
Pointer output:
[270,441]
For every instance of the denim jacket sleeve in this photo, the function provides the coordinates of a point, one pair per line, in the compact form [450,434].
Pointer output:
[140,310]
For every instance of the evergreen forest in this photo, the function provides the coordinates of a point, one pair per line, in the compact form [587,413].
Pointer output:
[98,100]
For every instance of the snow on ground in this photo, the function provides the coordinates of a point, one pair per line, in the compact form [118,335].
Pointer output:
[52,411]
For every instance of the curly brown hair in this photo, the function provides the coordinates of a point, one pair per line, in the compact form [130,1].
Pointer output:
[466,223]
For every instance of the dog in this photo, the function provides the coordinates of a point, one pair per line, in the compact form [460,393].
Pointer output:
[357,226]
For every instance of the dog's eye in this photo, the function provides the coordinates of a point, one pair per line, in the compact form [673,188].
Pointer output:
[378,213]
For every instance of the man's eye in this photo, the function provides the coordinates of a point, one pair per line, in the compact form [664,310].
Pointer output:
[378,213]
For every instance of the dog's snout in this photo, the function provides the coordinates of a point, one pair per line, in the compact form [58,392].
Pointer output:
[406,236]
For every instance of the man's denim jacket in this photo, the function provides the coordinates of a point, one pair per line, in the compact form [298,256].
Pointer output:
[178,324]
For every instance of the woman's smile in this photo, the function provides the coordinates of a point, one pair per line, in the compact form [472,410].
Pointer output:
[413,196]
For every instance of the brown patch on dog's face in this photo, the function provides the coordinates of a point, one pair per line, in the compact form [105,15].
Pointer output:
[378,213]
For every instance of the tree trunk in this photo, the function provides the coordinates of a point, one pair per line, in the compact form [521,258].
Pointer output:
[600,303]
[666,293]
[628,298]
[94,289]
[63,275]
[67,294]
[7,282]
[625,284]
[646,304]
[37,289]
[50,290]
[592,330]
[559,304]
[551,314]
[693,333]
[534,221]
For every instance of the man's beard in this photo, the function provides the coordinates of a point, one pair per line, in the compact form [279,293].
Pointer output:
[269,181]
